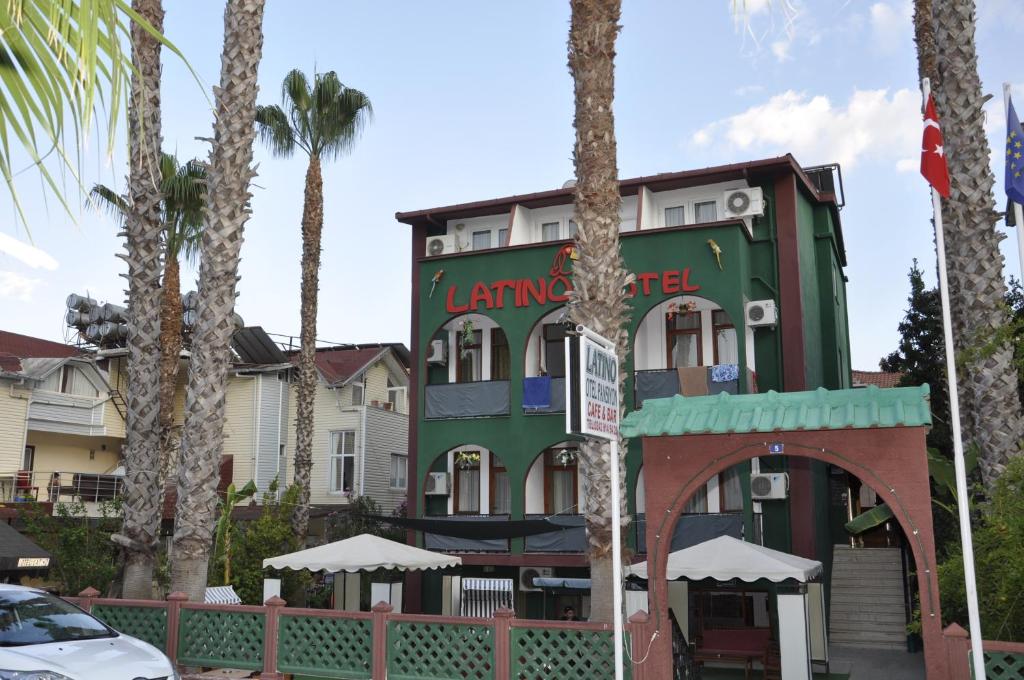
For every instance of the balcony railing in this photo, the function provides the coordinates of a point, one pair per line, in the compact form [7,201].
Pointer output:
[689,382]
[467,400]
[555,395]
[693,529]
[53,487]
[571,539]
[456,544]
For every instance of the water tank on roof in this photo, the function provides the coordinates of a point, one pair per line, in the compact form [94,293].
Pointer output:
[80,302]
[114,313]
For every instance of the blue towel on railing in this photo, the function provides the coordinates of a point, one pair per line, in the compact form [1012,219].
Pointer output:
[725,373]
[537,392]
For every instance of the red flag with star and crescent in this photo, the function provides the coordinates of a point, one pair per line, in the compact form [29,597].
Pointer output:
[933,156]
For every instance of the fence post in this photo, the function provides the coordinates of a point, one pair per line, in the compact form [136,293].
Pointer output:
[88,595]
[174,601]
[381,610]
[958,652]
[502,643]
[273,609]
[639,643]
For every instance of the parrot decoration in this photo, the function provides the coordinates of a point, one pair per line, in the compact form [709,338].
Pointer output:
[435,279]
[716,250]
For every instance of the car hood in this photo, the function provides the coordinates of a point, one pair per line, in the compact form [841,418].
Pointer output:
[117,658]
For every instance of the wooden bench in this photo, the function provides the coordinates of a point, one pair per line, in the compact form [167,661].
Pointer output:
[734,645]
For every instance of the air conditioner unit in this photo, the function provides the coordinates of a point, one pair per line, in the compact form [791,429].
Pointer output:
[527,574]
[437,484]
[762,313]
[770,486]
[440,245]
[438,353]
[744,202]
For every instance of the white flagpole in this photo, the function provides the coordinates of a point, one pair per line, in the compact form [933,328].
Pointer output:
[962,500]
[1017,211]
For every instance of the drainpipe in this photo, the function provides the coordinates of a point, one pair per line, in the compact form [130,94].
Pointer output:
[362,444]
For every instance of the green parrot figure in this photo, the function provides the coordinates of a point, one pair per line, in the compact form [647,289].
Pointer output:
[717,251]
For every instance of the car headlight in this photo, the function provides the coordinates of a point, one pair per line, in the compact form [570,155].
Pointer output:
[31,675]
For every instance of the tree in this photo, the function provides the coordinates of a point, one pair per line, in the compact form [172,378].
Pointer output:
[183,194]
[600,276]
[230,172]
[991,404]
[324,122]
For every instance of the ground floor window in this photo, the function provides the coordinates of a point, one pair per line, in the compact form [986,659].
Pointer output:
[399,470]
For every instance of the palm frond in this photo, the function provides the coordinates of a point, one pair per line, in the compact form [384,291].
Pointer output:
[184,191]
[275,130]
[106,199]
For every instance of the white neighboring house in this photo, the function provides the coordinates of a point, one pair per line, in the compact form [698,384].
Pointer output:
[361,425]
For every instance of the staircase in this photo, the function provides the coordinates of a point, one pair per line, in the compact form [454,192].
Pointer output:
[867,607]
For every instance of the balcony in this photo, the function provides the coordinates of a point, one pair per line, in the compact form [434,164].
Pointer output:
[456,544]
[689,382]
[467,400]
[537,399]
[53,487]
[66,414]
[694,529]
[571,539]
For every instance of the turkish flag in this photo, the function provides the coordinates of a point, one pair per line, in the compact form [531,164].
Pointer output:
[933,155]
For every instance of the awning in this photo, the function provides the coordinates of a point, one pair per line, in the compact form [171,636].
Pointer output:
[567,583]
[19,552]
[726,558]
[221,595]
[364,552]
[880,514]
[478,528]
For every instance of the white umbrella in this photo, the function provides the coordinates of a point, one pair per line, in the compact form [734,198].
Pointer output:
[725,558]
[362,553]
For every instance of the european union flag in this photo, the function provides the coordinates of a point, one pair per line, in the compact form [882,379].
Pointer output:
[1014,156]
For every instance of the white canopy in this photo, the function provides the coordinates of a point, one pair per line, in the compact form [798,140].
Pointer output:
[364,552]
[725,558]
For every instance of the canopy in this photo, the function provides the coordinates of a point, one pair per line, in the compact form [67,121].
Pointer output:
[725,558]
[880,514]
[364,552]
[222,595]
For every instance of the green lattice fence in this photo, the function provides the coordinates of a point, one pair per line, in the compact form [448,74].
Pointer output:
[218,638]
[440,651]
[145,623]
[562,654]
[1003,665]
[325,647]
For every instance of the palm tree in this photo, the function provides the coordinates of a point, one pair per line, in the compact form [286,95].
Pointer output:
[230,172]
[183,191]
[600,276]
[991,403]
[323,121]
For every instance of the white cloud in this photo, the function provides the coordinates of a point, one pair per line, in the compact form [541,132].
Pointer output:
[873,124]
[744,90]
[908,164]
[27,254]
[17,287]
[780,48]
[891,24]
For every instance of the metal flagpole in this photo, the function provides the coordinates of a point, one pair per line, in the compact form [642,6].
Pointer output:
[616,557]
[962,500]
[1018,212]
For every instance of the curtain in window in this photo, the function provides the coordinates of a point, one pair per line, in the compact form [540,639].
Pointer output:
[501,494]
[563,491]
[501,362]
[699,502]
[469,490]
[550,231]
[52,382]
[399,468]
[502,237]
[706,211]
[675,217]
[684,351]
[732,490]
[481,240]
[725,344]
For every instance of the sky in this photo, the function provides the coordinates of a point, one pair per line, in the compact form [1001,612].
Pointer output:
[473,100]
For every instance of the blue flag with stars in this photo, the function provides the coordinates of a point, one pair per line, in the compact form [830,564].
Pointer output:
[1014,156]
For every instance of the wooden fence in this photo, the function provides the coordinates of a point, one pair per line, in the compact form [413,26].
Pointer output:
[1003,660]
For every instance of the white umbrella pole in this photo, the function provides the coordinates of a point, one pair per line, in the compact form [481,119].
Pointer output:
[962,500]
[1018,212]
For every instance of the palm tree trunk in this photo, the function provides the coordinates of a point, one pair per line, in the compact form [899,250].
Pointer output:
[143,226]
[992,408]
[170,360]
[599,275]
[230,173]
[312,226]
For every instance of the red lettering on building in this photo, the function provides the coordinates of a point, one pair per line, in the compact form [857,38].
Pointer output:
[566,287]
[539,292]
[645,280]
[670,283]
[450,305]
[481,293]
[687,287]
[499,288]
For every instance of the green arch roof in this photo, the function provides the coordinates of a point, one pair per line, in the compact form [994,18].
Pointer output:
[771,411]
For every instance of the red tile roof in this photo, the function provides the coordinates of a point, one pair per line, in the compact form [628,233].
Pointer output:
[879,378]
[27,347]
[341,363]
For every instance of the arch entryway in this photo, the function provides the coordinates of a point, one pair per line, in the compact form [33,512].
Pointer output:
[887,453]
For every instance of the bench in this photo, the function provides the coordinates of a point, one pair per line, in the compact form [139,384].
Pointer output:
[734,645]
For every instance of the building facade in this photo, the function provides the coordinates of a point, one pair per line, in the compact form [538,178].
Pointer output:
[739,288]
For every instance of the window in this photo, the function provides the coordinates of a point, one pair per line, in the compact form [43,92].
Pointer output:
[554,349]
[501,362]
[501,490]
[69,380]
[28,462]
[399,470]
[705,211]
[573,229]
[343,461]
[675,217]
[467,484]
[481,240]
[683,333]
[358,393]
[468,368]
[551,231]
[730,490]
[726,350]
[396,395]
[503,237]
[698,503]
[560,481]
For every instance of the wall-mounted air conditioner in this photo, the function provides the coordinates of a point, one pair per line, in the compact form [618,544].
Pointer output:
[527,574]
[762,313]
[771,486]
[438,352]
[437,484]
[440,245]
[744,202]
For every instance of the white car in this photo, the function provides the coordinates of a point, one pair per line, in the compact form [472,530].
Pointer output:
[42,637]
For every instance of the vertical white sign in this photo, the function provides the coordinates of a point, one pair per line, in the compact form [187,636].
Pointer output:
[592,388]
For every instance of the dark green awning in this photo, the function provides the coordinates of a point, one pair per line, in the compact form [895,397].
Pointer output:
[880,514]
